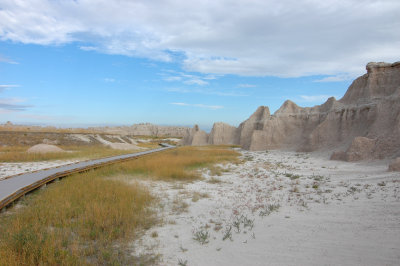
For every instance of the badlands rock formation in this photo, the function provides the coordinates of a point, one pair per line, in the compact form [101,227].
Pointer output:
[370,109]
[222,134]
[144,129]
[195,137]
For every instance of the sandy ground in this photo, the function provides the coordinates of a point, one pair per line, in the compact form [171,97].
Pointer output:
[279,208]
[119,146]
[9,169]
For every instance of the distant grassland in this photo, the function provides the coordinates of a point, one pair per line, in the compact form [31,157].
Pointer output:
[19,154]
[90,218]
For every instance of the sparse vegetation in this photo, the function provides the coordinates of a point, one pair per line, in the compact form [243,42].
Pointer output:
[269,209]
[227,233]
[198,195]
[182,262]
[201,236]
[317,177]
[292,176]
[214,180]
[179,205]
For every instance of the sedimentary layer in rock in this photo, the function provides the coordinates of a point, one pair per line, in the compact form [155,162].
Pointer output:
[145,129]
[370,109]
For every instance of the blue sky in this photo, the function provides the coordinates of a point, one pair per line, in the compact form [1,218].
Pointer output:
[84,63]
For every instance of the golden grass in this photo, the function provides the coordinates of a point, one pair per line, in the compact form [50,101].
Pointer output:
[149,145]
[19,154]
[84,219]
[90,218]
[177,164]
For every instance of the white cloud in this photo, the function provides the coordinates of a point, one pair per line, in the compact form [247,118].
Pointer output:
[252,38]
[212,107]
[246,86]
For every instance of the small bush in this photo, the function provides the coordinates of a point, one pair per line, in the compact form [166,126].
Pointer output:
[201,236]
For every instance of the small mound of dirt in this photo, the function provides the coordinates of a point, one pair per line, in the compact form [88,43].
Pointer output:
[44,148]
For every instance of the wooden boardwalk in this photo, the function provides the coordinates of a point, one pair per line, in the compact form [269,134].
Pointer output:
[17,186]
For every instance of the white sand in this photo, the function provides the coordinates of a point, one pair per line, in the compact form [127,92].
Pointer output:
[9,169]
[350,217]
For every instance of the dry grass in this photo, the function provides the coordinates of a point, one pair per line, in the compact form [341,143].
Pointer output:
[21,128]
[149,145]
[91,217]
[178,164]
[84,219]
[19,154]
[214,180]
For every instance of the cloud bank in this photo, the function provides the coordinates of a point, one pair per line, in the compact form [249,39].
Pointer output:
[288,38]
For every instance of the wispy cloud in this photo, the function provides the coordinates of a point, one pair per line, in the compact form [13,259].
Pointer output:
[5,87]
[336,78]
[208,92]
[173,78]
[188,79]
[109,80]
[315,98]
[13,104]
[7,60]
[8,105]
[246,85]
[196,81]
[212,107]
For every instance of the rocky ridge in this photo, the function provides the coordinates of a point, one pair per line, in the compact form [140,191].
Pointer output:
[144,129]
[369,109]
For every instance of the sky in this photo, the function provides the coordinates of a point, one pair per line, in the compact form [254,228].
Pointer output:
[183,62]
